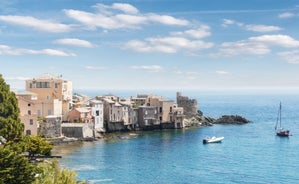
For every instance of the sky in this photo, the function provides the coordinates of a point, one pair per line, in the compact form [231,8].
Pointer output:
[152,44]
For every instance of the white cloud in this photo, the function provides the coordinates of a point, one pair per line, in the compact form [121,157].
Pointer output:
[227,22]
[290,56]
[262,28]
[243,47]
[201,32]
[167,45]
[167,20]
[6,50]
[74,42]
[127,8]
[257,45]
[108,18]
[251,27]
[37,24]
[95,67]
[176,42]
[150,68]
[221,72]
[286,15]
[276,40]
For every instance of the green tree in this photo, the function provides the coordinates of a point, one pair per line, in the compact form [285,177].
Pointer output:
[32,144]
[15,168]
[52,173]
[10,124]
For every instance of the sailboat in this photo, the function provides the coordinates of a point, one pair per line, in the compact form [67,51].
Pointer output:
[279,130]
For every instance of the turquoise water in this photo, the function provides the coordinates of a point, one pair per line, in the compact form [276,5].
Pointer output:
[249,153]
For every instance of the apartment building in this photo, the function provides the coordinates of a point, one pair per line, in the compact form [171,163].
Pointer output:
[97,112]
[148,117]
[165,108]
[54,95]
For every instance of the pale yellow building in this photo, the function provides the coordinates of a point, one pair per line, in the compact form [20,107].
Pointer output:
[54,95]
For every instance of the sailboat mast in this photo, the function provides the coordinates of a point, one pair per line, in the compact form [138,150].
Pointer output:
[280,115]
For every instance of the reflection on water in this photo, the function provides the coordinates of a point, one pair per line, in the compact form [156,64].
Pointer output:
[65,149]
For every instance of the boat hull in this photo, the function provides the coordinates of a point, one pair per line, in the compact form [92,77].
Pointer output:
[285,133]
[212,140]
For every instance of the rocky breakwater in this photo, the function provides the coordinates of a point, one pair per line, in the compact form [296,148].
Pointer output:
[200,120]
[231,119]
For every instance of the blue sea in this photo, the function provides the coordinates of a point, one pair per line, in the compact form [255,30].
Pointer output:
[250,153]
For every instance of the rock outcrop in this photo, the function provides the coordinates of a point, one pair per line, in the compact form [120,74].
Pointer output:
[231,119]
[199,120]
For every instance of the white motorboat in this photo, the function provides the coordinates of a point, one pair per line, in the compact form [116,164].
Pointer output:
[212,140]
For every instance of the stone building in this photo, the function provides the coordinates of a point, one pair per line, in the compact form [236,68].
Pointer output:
[148,117]
[178,114]
[165,108]
[52,127]
[190,105]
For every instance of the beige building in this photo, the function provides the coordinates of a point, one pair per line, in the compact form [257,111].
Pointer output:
[165,108]
[53,93]
[28,115]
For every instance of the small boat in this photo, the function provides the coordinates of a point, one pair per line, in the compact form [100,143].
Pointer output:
[281,132]
[212,140]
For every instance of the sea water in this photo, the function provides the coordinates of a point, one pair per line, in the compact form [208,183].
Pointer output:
[250,153]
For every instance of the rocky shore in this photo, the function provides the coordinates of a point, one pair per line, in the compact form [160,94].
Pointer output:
[201,120]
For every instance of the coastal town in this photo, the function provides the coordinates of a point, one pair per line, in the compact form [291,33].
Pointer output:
[49,108]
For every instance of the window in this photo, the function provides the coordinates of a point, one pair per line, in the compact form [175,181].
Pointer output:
[97,113]
[38,113]
[160,110]
[29,112]
[29,105]
[28,132]
[49,112]
[31,121]
[170,109]
[43,85]
[30,85]
[56,85]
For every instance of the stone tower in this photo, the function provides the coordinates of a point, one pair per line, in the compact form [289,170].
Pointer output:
[190,105]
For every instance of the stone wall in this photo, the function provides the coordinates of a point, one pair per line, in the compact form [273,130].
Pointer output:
[77,130]
[190,105]
[50,128]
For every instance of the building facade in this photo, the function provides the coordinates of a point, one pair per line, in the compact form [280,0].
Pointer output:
[148,117]
[54,95]
[28,115]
